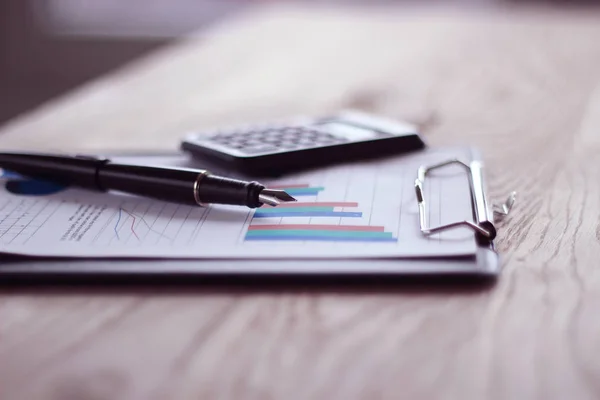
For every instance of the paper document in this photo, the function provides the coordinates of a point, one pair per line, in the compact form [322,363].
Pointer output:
[366,210]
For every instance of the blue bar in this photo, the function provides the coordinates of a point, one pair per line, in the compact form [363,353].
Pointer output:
[322,238]
[309,191]
[259,214]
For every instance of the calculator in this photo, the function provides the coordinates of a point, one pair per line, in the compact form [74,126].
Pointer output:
[303,143]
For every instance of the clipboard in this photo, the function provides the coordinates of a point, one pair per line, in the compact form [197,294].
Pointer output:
[484,264]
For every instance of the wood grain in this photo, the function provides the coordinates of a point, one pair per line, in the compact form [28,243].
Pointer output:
[522,85]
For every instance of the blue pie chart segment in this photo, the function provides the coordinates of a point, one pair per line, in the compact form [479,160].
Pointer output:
[33,188]
[17,184]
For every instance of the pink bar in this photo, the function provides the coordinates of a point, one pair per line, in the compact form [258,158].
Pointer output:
[317,227]
[319,204]
[290,186]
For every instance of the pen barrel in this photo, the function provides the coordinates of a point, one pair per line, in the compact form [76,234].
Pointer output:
[163,183]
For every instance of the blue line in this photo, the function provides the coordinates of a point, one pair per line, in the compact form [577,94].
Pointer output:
[259,214]
[323,238]
[117,224]
[309,191]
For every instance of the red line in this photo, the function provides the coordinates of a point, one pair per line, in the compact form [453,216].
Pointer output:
[318,204]
[290,186]
[132,223]
[316,227]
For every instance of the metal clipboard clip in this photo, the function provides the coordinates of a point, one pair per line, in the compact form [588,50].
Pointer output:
[482,222]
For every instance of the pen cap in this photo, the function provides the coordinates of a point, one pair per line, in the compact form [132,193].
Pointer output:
[164,183]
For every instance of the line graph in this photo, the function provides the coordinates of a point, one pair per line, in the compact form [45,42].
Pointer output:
[117,224]
[133,218]
[134,226]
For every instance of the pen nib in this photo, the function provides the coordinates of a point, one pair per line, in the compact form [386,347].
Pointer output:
[271,201]
[274,197]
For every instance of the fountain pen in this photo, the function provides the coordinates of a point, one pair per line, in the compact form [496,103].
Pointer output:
[179,185]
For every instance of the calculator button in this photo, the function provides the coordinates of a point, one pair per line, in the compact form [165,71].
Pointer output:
[327,136]
[271,132]
[273,140]
[225,139]
[269,138]
[305,140]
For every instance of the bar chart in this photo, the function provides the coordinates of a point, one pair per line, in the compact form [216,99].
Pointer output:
[258,231]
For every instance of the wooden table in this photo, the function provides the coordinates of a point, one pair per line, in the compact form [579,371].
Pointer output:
[523,85]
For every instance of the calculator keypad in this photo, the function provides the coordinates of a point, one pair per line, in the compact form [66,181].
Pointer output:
[271,140]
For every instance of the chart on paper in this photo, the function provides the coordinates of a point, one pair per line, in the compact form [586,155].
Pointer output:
[336,221]
[363,210]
